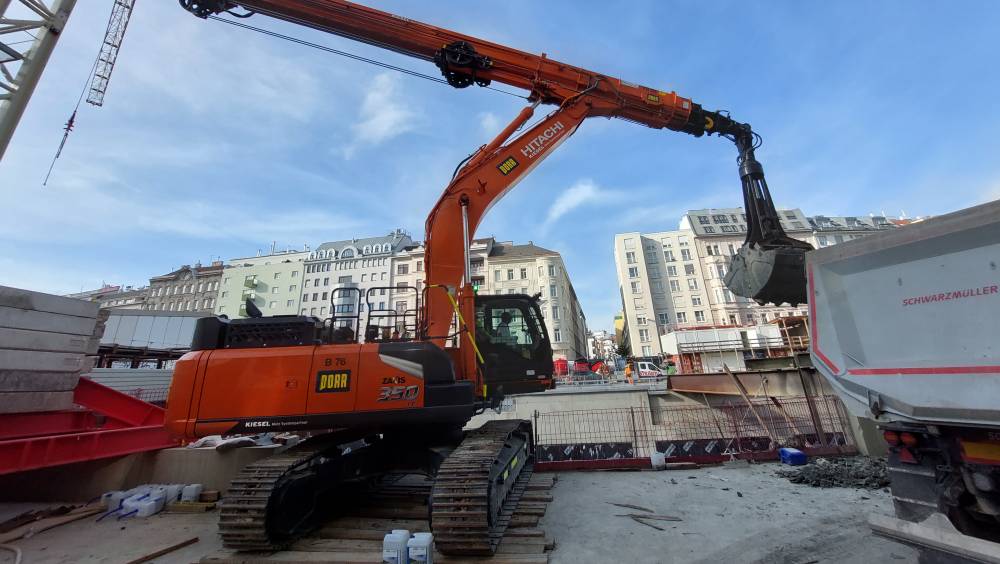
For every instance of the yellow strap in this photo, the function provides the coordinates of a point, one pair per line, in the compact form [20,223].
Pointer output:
[468,332]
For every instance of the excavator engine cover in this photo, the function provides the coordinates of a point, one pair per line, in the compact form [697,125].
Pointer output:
[775,275]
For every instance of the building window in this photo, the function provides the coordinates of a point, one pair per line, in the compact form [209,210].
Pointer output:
[663,318]
[496,275]
[689,270]
[633,272]
[692,283]
[541,271]
[324,295]
[552,291]
[728,229]
[699,315]
[420,266]
[343,280]
[709,229]
[555,312]
[733,320]
[277,275]
[557,335]
[823,241]
[636,287]
[524,290]
[671,271]
[682,317]
[295,274]
[272,305]
[696,300]
[274,289]
[630,257]
[524,274]
[720,218]
[629,244]
[224,294]
[644,335]
[511,291]
[685,254]
[292,288]
[658,286]
[647,350]
[668,255]
[306,285]
[552,270]
[640,320]
[798,225]
[305,297]
[402,269]
[289,303]
[510,274]
[703,219]
[222,309]
[675,286]
[637,302]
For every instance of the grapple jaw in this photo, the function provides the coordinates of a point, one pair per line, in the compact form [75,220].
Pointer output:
[769,275]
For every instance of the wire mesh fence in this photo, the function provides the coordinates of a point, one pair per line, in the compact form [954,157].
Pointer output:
[149,395]
[694,432]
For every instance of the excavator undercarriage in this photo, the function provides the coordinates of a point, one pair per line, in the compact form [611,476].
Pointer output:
[478,480]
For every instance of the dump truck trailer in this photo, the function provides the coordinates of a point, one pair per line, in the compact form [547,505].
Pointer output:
[906,328]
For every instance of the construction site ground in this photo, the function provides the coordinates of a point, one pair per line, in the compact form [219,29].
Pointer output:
[734,512]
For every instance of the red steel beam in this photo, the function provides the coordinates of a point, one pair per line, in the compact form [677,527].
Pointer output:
[40,452]
[117,405]
[24,425]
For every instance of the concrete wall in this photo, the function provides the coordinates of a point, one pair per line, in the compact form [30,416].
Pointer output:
[86,480]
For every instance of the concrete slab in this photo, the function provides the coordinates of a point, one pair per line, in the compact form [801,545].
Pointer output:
[37,301]
[23,339]
[23,381]
[14,318]
[28,402]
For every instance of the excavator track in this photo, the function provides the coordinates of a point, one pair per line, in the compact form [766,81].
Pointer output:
[243,515]
[478,487]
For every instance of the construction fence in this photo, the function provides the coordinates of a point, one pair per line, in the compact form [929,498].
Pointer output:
[628,437]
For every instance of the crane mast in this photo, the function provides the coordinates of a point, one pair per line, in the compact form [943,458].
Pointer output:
[496,167]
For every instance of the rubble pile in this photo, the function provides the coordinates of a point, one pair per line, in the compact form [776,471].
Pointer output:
[855,472]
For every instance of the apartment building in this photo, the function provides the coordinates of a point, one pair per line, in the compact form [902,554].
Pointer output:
[363,264]
[189,288]
[506,268]
[272,282]
[673,280]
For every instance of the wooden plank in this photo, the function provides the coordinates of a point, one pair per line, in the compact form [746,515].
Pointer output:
[536,547]
[27,340]
[161,552]
[523,521]
[28,402]
[392,512]
[339,545]
[34,361]
[380,524]
[293,557]
[529,496]
[499,559]
[38,301]
[189,507]
[13,318]
[937,538]
[539,511]
[48,523]
[23,381]
[523,532]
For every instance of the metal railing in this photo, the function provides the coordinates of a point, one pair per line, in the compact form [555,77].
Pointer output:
[695,432]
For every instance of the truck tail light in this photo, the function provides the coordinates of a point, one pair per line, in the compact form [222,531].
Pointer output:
[909,439]
[891,437]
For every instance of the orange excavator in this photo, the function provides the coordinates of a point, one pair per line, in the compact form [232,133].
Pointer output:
[380,406]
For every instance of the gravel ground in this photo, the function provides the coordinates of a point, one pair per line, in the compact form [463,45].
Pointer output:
[730,513]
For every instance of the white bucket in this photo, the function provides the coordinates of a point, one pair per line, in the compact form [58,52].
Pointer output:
[394,549]
[420,549]
[658,460]
[191,492]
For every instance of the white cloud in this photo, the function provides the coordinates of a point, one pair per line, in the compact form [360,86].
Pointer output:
[490,123]
[584,192]
[384,115]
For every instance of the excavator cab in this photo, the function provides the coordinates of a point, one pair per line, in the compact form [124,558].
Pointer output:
[511,336]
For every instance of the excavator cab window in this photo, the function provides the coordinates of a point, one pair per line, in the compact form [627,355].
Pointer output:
[513,340]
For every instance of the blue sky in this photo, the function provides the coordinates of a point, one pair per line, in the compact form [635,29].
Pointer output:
[215,141]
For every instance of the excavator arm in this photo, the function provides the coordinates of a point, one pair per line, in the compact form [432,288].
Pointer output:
[770,265]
